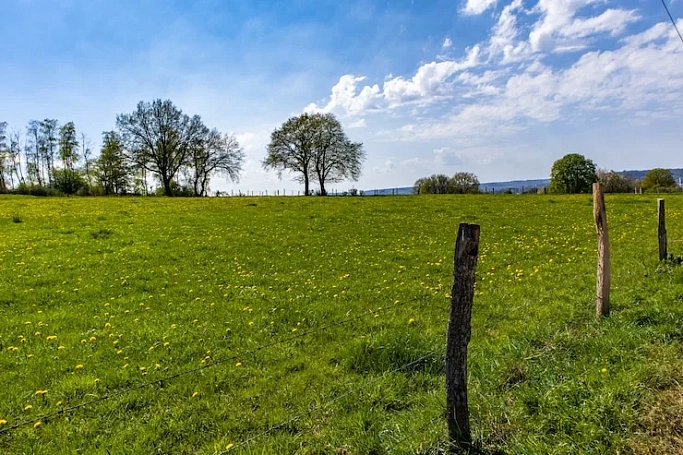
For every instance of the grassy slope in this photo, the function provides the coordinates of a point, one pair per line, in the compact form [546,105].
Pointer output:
[139,289]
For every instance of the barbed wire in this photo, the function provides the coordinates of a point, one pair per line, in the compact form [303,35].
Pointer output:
[328,402]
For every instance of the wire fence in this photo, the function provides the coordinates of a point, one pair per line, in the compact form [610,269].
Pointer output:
[510,312]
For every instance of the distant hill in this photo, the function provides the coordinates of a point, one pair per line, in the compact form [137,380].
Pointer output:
[516,186]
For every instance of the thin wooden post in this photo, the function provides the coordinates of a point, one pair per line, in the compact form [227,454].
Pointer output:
[661,230]
[603,281]
[458,336]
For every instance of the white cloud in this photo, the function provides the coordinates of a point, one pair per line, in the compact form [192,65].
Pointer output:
[475,7]
[560,30]
[447,43]
[431,81]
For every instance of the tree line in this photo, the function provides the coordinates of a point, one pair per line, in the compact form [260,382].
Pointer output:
[573,173]
[160,144]
[157,143]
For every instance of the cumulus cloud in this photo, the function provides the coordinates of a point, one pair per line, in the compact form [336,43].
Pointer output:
[474,7]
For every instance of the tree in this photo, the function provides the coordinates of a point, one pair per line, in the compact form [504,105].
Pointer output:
[216,154]
[658,179]
[417,186]
[572,173]
[4,155]
[464,183]
[160,138]
[335,157]
[86,152]
[32,152]
[291,149]
[48,131]
[111,167]
[436,184]
[315,148]
[67,180]
[613,182]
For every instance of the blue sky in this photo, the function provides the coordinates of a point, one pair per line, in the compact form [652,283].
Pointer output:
[498,88]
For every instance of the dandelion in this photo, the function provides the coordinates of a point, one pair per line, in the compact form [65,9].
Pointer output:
[166,344]
[41,392]
[51,337]
[3,422]
[119,352]
[37,424]
[79,366]
[231,445]
[411,321]
[173,326]
[93,339]
[603,371]
[36,334]
[28,407]
[125,366]
[195,394]
[238,364]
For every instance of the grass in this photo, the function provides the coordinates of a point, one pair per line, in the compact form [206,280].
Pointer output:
[99,297]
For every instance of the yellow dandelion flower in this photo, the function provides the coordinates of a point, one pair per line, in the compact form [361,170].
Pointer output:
[93,339]
[3,422]
[37,424]
[125,366]
[79,367]
[238,364]
[119,352]
[604,370]
[59,348]
[195,394]
[166,344]
[28,407]
[41,392]
[411,321]
[51,337]
[173,326]
[36,334]
[229,446]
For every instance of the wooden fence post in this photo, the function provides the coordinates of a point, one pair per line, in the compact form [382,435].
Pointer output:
[603,281]
[661,230]
[458,335]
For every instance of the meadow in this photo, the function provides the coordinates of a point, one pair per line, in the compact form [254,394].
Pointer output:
[282,325]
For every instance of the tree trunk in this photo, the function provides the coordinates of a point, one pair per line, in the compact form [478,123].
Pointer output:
[306,185]
[167,185]
[321,179]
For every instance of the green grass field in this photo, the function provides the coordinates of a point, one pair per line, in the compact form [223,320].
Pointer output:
[317,325]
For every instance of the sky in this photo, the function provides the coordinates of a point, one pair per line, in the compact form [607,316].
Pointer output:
[498,88]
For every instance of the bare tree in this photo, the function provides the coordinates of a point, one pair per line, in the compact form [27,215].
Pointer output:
[49,129]
[32,152]
[15,157]
[86,154]
[217,154]
[160,138]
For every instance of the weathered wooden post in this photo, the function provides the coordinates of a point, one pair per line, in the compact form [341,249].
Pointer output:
[603,281]
[458,336]
[661,230]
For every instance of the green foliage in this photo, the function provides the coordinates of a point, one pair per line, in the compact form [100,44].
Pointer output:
[111,168]
[139,289]
[572,174]
[613,182]
[67,181]
[460,183]
[659,180]
[314,147]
